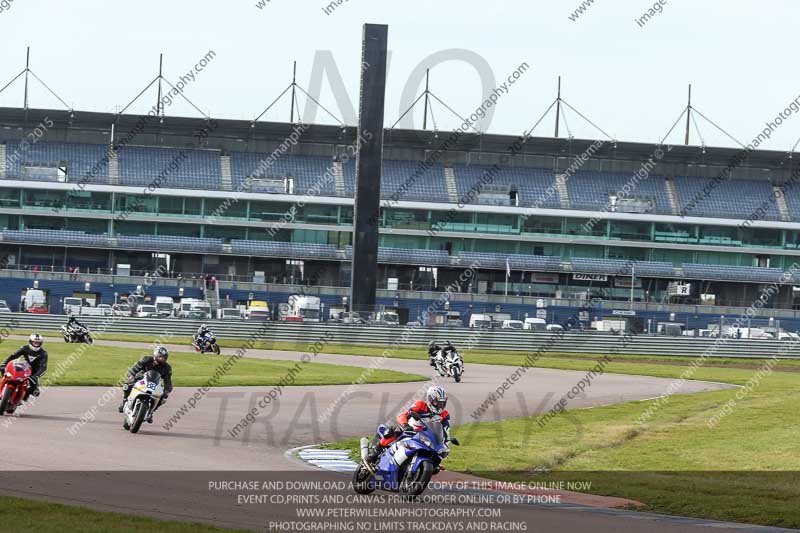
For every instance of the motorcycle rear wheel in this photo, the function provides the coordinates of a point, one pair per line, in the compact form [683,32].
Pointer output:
[7,393]
[362,478]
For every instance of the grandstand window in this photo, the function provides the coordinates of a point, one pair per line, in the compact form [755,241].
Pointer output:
[193,206]
[310,236]
[720,235]
[586,227]
[129,203]
[761,236]
[675,233]
[87,225]
[170,205]
[270,211]
[9,197]
[226,232]
[133,228]
[95,201]
[345,215]
[9,222]
[496,223]
[44,198]
[178,230]
[630,230]
[409,218]
[42,223]
[318,214]
[546,225]
[215,207]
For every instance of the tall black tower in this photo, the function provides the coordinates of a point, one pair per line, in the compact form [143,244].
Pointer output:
[369,160]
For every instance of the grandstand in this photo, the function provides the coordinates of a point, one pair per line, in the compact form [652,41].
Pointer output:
[75,199]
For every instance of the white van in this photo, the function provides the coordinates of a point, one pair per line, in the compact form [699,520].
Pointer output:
[555,327]
[72,305]
[480,321]
[513,324]
[535,324]
[147,311]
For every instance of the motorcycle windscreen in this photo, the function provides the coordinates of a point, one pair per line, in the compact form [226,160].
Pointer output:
[21,366]
[436,428]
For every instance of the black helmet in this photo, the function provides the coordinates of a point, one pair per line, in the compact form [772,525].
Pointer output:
[160,354]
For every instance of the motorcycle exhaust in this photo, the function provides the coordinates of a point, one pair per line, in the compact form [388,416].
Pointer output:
[364,448]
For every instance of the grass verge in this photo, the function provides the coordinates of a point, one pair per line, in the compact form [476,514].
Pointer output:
[22,516]
[743,469]
[106,365]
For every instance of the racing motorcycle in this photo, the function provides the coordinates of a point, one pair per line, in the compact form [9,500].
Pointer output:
[142,401]
[450,363]
[208,344]
[76,334]
[408,464]
[14,385]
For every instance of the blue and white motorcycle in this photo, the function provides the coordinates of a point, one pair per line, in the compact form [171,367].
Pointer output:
[208,344]
[407,465]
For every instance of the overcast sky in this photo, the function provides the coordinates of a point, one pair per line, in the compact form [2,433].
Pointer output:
[630,80]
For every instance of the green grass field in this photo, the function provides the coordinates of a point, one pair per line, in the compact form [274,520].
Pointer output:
[744,469]
[106,365]
[23,516]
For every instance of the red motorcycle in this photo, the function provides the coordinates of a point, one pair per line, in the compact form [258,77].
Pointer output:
[14,385]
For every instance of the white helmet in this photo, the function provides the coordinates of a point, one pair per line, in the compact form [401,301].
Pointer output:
[35,341]
[437,399]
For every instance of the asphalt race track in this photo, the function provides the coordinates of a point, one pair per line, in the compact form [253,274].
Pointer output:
[201,441]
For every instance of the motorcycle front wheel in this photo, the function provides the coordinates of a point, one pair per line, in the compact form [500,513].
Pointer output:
[414,484]
[89,339]
[362,480]
[216,349]
[7,393]
[457,374]
[139,413]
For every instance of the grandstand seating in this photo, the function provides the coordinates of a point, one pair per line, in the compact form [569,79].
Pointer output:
[409,256]
[170,168]
[283,249]
[309,172]
[732,273]
[731,198]
[515,261]
[54,237]
[591,190]
[531,183]
[80,159]
[169,242]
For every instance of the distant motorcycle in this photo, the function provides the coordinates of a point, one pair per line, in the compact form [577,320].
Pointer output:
[14,385]
[142,401]
[76,334]
[450,363]
[208,344]
[407,465]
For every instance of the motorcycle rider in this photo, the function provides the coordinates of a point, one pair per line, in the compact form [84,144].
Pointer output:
[74,325]
[433,352]
[201,332]
[411,420]
[36,357]
[157,362]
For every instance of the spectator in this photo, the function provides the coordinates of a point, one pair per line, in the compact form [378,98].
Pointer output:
[738,333]
[213,282]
